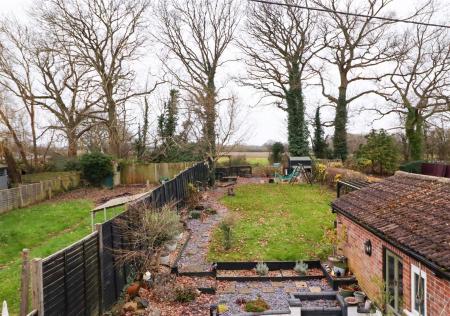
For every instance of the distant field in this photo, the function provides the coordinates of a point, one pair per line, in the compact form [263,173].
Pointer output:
[252,154]
[253,158]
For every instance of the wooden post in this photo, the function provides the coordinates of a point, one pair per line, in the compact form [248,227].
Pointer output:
[42,190]
[37,289]
[98,228]
[104,214]
[20,196]
[24,283]
[92,219]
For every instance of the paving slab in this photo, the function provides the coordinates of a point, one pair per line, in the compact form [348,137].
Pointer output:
[277,284]
[315,289]
[245,290]
[301,284]
[268,290]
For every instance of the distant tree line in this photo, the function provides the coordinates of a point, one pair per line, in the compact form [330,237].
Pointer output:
[73,75]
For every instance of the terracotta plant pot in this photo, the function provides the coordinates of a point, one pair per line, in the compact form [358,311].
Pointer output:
[133,289]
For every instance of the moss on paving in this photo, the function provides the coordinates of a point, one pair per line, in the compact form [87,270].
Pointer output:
[276,222]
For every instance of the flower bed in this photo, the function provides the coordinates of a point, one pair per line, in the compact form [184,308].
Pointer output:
[278,271]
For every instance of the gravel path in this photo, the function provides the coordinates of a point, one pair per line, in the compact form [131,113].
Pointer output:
[194,256]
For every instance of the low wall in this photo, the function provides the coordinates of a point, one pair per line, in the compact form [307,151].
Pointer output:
[140,173]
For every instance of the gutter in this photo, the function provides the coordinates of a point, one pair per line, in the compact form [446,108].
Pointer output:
[431,265]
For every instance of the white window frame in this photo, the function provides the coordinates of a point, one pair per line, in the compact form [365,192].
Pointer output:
[422,273]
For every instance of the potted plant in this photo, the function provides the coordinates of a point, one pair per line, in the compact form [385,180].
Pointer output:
[348,290]
[360,296]
[340,268]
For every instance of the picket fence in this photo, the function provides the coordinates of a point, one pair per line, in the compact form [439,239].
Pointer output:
[27,194]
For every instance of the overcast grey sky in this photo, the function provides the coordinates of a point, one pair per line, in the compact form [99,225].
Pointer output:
[267,122]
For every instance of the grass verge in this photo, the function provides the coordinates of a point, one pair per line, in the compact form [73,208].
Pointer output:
[276,222]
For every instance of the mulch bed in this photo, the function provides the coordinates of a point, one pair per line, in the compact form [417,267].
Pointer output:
[101,195]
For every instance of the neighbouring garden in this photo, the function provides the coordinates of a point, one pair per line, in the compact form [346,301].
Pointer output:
[276,222]
[43,228]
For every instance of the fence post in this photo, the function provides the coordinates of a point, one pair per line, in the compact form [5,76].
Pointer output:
[42,190]
[20,196]
[37,290]
[99,229]
[24,282]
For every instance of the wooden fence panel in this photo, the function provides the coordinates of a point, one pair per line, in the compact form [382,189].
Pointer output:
[71,279]
[152,172]
[31,193]
[84,278]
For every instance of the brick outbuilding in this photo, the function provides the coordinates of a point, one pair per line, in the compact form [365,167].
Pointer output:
[397,241]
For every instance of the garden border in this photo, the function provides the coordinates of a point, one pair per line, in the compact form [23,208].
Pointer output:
[273,265]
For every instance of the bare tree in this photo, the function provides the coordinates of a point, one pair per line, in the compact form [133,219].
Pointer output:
[107,35]
[17,78]
[68,91]
[437,140]
[354,46]
[418,87]
[9,117]
[197,33]
[283,41]
[13,171]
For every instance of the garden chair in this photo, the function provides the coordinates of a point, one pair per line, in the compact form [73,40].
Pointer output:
[290,177]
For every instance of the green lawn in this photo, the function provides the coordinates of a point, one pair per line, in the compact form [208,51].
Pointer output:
[43,228]
[258,161]
[276,222]
[253,161]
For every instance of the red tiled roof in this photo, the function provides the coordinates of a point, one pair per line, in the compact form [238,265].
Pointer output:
[410,210]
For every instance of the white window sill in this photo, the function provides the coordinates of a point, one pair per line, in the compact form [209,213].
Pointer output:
[408,313]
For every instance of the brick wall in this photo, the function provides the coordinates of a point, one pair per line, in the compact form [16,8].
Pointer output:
[369,269]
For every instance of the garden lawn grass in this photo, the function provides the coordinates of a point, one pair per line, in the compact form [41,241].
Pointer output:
[276,222]
[43,228]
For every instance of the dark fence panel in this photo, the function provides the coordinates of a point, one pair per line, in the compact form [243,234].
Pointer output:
[84,278]
[71,279]
[114,277]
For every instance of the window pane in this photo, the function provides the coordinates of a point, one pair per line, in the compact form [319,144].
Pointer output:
[400,285]
[419,299]
[391,281]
